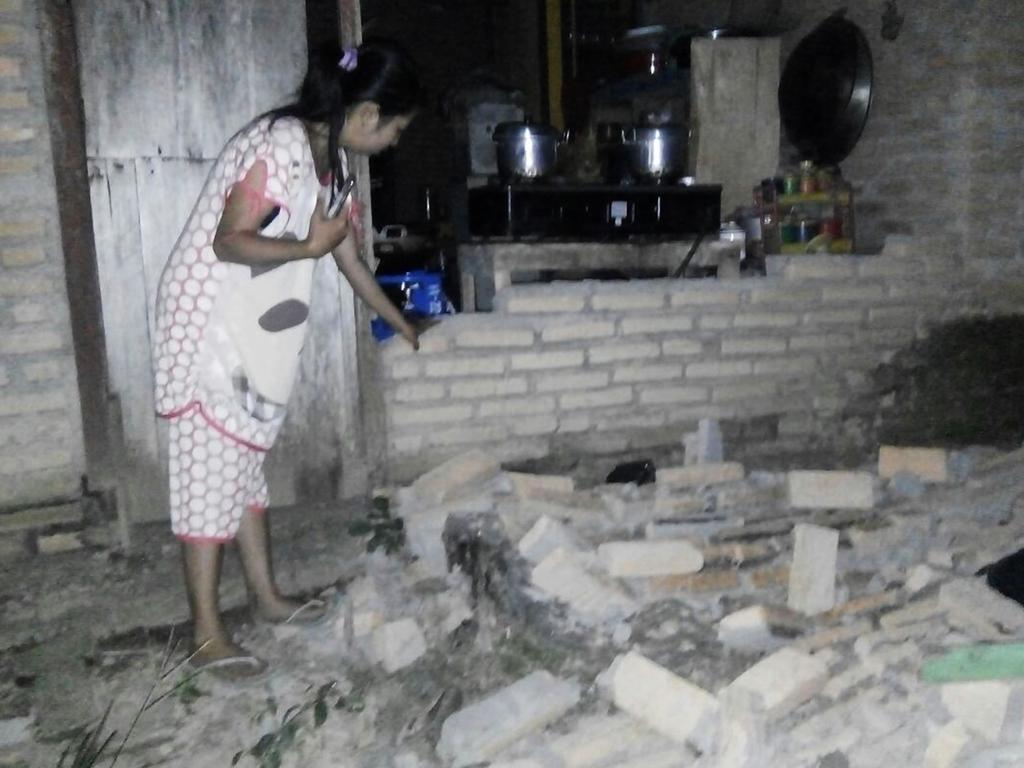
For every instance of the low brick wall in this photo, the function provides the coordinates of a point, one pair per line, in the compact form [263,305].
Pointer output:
[614,367]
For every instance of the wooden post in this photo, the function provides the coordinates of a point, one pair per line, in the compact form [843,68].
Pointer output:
[553,25]
[364,444]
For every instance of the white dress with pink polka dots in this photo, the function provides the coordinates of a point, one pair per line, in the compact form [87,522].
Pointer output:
[228,336]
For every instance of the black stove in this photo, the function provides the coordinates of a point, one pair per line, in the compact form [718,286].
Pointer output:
[593,211]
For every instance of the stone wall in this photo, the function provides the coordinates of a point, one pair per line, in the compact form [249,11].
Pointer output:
[41,445]
[611,368]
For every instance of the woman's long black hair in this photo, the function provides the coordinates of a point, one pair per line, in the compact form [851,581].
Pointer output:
[384,74]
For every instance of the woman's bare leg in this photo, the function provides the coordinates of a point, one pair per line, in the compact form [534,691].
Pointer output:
[254,547]
[202,580]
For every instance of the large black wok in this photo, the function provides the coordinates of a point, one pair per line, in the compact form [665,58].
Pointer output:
[825,91]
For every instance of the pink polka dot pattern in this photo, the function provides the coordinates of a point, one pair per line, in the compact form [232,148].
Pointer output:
[193,276]
[213,479]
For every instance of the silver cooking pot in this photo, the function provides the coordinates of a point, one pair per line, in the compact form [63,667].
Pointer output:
[525,150]
[657,153]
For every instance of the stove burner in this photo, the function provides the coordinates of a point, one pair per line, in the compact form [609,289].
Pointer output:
[593,211]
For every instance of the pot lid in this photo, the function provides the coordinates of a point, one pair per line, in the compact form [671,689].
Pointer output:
[825,90]
[523,128]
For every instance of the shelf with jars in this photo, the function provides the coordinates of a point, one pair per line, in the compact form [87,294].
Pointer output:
[809,212]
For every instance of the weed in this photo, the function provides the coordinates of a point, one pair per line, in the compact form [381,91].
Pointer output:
[269,751]
[387,532]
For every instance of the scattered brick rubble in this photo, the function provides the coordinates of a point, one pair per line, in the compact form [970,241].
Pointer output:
[720,617]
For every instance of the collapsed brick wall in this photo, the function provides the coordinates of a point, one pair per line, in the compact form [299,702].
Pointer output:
[41,448]
[612,367]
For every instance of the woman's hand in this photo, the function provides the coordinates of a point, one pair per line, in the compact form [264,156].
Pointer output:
[326,234]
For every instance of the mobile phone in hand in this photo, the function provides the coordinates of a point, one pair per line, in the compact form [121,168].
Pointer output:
[340,197]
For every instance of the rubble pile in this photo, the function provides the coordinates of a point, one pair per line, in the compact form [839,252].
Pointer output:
[718,617]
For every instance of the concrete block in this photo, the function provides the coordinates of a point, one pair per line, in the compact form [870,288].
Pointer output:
[758,628]
[632,374]
[397,644]
[972,600]
[710,447]
[597,329]
[656,324]
[681,347]
[698,475]
[560,382]
[947,745]
[40,517]
[423,532]
[672,395]
[477,388]
[809,489]
[541,361]
[15,731]
[478,732]
[630,559]
[498,337]
[59,543]
[919,577]
[605,740]
[783,681]
[562,576]
[981,706]
[597,399]
[663,701]
[626,301]
[812,577]
[528,486]
[614,353]
[544,303]
[545,537]
[455,476]
[718,370]
[928,464]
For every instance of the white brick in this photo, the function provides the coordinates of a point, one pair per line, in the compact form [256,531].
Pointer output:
[639,373]
[820,341]
[785,294]
[407,443]
[855,294]
[947,745]
[537,361]
[30,313]
[561,382]
[15,731]
[668,395]
[16,405]
[638,559]
[928,464]
[810,489]
[481,433]
[47,369]
[753,346]
[397,644]
[415,392]
[627,301]
[59,543]
[24,342]
[455,475]
[597,399]
[656,324]
[813,267]
[714,370]
[425,414]
[766,320]
[834,317]
[465,366]
[477,388]
[715,322]
[903,316]
[594,329]
[561,575]
[527,486]
[751,629]
[517,406]
[980,705]
[812,575]
[612,353]
[704,295]
[545,537]
[495,338]
[971,600]
[744,390]
[480,731]
[786,365]
[783,681]
[697,475]
[405,369]
[544,304]
[665,702]
[684,347]
[529,426]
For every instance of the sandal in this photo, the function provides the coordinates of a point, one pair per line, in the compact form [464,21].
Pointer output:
[312,613]
[242,667]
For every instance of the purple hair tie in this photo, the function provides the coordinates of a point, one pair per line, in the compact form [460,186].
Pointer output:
[349,60]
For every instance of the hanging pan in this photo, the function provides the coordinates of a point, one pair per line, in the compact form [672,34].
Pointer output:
[825,91]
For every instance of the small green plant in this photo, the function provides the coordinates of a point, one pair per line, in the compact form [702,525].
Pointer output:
[385,531]
[272,746]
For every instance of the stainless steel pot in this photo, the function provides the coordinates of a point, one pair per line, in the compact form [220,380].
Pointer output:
[525,150]
[656,153]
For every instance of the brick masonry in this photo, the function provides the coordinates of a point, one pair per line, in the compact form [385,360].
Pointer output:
[638,364]
[41,445]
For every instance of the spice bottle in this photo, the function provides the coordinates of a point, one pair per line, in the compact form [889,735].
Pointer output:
[808,180]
